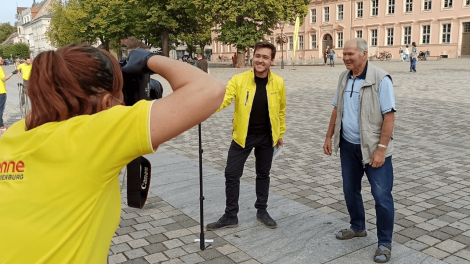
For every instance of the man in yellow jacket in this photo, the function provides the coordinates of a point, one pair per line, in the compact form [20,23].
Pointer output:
[259,123]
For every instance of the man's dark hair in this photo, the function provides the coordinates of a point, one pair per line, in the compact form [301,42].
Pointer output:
[27,58]
[265,44]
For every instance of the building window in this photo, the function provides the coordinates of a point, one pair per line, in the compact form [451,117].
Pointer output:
[340,39]
[314,41]
[359,34]
[313,16]
[467,2]
[340,12]
[407,36]
[327,14]
[466,27]
[446,33]
[426,34]
[391,6]
[389,36]
[447,3]
[409,6]
[427,4]
[291,43]
[301,42]
[360,9]
[375,7]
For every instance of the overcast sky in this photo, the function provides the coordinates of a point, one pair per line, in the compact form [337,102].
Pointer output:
[8,9]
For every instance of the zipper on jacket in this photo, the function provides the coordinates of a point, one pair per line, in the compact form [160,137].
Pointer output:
[247,96]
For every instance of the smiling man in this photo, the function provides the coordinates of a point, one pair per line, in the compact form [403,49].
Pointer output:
[259,123]
[362,124]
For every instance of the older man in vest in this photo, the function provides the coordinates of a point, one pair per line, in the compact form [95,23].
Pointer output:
[362,125]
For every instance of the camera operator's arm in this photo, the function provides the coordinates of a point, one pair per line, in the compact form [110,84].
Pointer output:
[196,95]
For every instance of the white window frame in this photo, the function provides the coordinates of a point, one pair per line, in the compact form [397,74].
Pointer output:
[340,12]
[374,38]
[427,5]
[408,6]
[391,4]
[313,16]
[291,42]
[446,31]
[375,8]
[357,33]
[447,4]
[313,42]
[389,36]
[359,9]
[326,14]
[407,35]
[301,43]
[426,34]
[340,39]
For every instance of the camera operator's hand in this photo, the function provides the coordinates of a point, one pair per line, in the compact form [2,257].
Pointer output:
[137,63]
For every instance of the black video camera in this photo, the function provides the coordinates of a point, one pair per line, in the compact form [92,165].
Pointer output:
[139,87]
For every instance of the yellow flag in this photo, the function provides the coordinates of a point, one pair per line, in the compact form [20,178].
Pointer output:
[296,35]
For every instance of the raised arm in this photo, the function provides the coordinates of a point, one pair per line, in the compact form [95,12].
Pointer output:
[196,96]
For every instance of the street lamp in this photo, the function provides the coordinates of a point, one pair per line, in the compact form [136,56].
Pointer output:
[281,24]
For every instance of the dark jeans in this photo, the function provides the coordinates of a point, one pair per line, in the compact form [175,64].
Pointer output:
[237,156]
[3,102]
[381,182]
[413,64]
[332,62]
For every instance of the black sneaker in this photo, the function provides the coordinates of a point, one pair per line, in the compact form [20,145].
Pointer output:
[224,222]
[264,218]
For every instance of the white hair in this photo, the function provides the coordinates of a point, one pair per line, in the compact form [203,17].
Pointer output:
[362,45]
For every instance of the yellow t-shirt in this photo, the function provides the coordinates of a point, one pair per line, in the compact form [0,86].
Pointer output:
[60,199]
[25,70]
[3,88]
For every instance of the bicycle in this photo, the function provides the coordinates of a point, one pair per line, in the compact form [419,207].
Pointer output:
[23,101]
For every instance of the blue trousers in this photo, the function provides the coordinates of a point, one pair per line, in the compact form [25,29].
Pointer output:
[381,182]
[412,64]
[3,102]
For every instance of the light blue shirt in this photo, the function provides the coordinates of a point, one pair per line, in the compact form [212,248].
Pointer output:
[350,120]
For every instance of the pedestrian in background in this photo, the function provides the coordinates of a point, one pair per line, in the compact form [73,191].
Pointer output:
[400,54]
[332,58]
[414,57]
[362,125]
[3,94]
[325,55]
[407,53]
[202,63]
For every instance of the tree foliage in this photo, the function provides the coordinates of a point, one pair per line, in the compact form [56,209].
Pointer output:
[5,30]
[243,23]
[17,50]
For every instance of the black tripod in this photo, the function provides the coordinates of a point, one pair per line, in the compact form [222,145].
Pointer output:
[201,197]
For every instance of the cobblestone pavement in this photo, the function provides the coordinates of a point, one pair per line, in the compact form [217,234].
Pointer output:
[432,173]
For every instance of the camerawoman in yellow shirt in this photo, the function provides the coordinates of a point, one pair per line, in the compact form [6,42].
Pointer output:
[59,190]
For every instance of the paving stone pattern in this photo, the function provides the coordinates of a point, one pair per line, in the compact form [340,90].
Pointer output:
[432,178]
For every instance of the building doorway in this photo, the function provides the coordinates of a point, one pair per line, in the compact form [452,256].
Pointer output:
[465,39]
[327,42]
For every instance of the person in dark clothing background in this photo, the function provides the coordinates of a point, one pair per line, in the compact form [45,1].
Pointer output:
[202,64]
[259,123]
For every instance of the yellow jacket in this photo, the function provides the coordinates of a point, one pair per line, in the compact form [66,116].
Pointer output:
[242,87]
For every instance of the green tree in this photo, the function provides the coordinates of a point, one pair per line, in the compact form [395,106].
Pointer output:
[91,20]
[1,52]
[9,50]
[21,50]
[243,23]
[5,30]
[61,30]
[167,19]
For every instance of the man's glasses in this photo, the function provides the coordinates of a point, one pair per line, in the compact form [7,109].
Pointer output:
[119,101]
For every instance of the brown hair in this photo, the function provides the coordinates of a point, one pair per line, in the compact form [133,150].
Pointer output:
[414,44]
[265,44]
[67,82]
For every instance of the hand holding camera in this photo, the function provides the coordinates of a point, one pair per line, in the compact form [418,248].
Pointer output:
[137,62]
